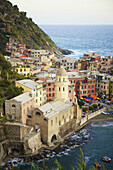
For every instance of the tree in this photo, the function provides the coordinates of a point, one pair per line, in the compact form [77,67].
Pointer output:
[16,7]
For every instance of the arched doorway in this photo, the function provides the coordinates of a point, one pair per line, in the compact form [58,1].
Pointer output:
[54,138]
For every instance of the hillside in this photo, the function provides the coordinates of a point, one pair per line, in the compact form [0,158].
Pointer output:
[19,28]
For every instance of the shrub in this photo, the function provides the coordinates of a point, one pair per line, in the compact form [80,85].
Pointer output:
[90,107]
[95,106]
[81,103]
[84,109]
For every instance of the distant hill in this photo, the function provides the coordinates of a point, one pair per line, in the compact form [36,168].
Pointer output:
[18,27]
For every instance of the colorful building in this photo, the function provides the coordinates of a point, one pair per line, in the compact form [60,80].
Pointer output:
[23,71]
[37,90]
[83,86]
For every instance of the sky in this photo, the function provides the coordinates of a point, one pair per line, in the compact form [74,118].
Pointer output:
[67,12]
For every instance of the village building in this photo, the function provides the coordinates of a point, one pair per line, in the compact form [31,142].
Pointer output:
[68,63]
[18,107]
[37,90]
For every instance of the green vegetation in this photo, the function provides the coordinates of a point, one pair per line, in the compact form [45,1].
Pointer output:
[81,103]
[91,107]
[95,106]
[18,27]
[8,89]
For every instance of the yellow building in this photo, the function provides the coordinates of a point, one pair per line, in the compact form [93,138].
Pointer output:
[111,88]
[37,90]
[23,71]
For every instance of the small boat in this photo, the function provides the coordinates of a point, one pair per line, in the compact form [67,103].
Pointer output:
[106,159]
[97,164]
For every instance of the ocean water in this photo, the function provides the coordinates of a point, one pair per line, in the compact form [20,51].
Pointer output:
[82,39]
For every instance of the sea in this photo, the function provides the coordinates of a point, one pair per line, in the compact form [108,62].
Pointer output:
[82,38]
[96,139]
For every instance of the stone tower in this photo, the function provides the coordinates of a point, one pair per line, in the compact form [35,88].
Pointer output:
[61,85]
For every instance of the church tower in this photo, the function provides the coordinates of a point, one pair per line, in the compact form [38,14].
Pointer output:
[61,85]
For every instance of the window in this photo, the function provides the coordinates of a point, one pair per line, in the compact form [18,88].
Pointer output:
[49,89]
[38,114]
[78,87]
[13,105]
[59,88]
[88,86]
[92,91]
[92,86]
[40,98]
[53,94]
[40,92]
[63,88]
[24,69]
[49,84]
[59,122]
[36,101]
[49,94]
[20,70]
[37,94]
[88,91]
[82,81]
[85,86]
[73,86]
[45,119]
[51,122]
[82,87]
[34,89]
[53,89]
[59,79]
[63,79]
[69,91]
[17,70]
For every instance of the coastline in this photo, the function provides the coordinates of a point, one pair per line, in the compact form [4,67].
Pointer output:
[98,118]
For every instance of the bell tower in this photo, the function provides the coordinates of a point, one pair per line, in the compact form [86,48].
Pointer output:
[61,85]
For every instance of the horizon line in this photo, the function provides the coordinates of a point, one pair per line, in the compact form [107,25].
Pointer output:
[79,24]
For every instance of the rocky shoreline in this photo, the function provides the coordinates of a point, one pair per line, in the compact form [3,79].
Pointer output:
[77,138]
[65,51]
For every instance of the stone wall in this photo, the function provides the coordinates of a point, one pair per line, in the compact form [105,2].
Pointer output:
[13,110]
[2,134]
[32,142]
[67,128]
[16,131]
[91,115]
[2,154]
[38,119]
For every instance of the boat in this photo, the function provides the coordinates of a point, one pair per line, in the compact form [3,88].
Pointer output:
[106,159]
[97,164]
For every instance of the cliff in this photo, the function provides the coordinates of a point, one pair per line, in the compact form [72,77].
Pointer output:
[17,27]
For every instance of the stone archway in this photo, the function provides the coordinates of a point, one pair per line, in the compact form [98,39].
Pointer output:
[54,138]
